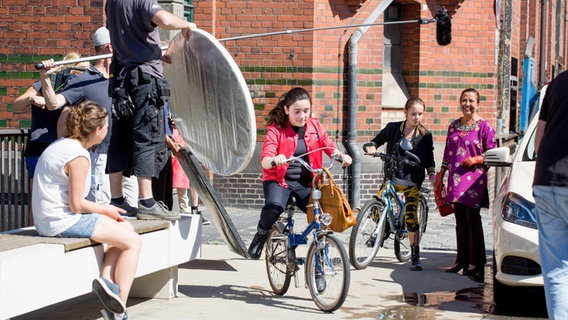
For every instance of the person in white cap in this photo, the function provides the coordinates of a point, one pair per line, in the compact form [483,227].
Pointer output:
[93,85]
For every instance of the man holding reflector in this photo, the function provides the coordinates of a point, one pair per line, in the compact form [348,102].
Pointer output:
[139,91]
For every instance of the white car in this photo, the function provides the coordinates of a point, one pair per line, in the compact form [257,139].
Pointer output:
[516,262]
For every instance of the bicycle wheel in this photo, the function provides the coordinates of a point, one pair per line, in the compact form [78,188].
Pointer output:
[327,273]
[402,242]
[367,234]
[276,267]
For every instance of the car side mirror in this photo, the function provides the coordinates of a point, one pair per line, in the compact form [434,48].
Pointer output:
[498,157]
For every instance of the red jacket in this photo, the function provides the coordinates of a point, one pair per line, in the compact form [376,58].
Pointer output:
[284,141]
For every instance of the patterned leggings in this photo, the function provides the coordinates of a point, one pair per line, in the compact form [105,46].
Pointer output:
[412,196]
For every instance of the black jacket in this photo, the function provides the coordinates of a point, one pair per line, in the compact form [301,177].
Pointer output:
[423,148]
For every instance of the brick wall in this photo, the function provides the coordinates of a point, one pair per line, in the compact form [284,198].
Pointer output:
[31,31]
[271,65]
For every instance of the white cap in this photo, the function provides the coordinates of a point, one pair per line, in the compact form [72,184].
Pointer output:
[102,37]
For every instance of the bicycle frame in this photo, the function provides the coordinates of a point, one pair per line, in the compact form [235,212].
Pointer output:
[388,193]
[296,239]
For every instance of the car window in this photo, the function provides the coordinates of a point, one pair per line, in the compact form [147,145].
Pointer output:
[529,152]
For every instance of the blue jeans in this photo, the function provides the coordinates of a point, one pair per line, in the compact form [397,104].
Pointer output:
[552,222]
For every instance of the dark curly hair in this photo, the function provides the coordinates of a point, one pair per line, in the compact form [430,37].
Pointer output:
[278,116]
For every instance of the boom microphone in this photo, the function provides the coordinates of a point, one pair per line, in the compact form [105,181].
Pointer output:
[443,27]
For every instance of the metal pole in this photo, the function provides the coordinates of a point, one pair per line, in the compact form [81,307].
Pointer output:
[109,55]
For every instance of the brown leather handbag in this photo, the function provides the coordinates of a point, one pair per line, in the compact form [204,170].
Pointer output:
[334,202]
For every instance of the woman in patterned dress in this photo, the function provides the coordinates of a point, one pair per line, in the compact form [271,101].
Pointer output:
[468,138]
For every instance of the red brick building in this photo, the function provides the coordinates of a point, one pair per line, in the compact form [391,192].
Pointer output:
[359,76]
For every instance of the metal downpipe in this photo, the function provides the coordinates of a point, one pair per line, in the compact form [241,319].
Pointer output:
[352,102]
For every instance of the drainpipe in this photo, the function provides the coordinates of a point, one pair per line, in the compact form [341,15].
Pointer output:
[541,56]
[352,101]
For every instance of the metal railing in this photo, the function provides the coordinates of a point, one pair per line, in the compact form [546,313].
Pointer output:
[14,195]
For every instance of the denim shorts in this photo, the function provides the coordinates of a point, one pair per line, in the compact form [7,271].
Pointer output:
[83,228]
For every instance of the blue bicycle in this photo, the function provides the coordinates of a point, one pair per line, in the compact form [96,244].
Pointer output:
[327,271]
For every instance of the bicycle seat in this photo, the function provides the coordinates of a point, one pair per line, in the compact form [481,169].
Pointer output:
[291,202]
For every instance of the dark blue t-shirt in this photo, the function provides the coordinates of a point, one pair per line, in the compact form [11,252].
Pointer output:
[90,85]
[44,122]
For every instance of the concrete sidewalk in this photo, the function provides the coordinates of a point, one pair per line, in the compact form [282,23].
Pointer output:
[224,285]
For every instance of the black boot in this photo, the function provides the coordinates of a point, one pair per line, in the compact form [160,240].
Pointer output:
[255,248]
[415,260]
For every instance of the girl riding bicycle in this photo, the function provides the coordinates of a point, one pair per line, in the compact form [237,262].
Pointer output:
[291,132]
[408,135]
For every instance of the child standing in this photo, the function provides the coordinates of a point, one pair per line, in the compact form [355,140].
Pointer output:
[181,182]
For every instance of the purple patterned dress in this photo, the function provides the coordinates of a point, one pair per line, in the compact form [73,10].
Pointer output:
[468,185]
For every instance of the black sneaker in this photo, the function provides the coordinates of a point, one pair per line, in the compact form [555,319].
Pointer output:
[371,242]
[255,248]
[130,210]
[159,211]
[415,264]
[203,220]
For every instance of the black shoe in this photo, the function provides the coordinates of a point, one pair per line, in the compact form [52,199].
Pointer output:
[255,248]
[130,210]
[456,268]
[477,274]
[415,264]
[320,283]
[203,220]
[371,242]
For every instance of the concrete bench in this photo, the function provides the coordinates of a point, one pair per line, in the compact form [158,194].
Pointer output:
[36,271]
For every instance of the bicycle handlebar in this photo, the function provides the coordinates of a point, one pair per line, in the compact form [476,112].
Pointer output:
[414,161]
[307,166]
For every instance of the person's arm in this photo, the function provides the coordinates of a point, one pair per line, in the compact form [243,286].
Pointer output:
[541,124]
[77,170]
[269,156]
[429,161]
[381,138]
[52,100]
[26,100]
[170,21]
[167,20]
